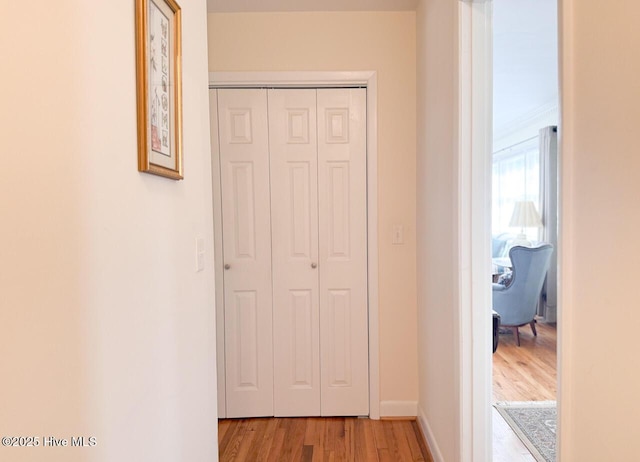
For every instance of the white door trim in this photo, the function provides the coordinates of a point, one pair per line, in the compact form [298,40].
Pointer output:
[474,208]
[313,79]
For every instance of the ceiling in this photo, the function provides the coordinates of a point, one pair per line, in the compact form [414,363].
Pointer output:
[229,6]
[525,59]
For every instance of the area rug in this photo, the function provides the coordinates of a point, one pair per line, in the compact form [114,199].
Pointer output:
[535,424]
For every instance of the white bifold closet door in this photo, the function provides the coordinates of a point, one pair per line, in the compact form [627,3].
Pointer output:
[342,211]
[315,163]
[294,210]
[246,231]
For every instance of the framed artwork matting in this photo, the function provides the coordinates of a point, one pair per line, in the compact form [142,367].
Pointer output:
[159,87]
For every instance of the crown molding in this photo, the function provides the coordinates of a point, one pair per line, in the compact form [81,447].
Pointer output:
[532,121]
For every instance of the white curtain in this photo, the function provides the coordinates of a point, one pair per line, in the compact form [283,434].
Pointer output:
[549,212]
[516,177]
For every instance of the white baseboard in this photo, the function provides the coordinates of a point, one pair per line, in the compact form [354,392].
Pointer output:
[551,314]
[398,409]
[423,423]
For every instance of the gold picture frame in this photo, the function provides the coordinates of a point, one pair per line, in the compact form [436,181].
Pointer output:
[159,87]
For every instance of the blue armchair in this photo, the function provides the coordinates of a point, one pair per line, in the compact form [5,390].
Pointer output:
[516,302]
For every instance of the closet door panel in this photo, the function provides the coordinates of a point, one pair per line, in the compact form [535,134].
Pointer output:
[343,251]
[246,222]
[294,209]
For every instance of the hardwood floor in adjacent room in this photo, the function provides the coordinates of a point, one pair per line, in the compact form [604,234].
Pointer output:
[525,373]
[528,372]
[321,439]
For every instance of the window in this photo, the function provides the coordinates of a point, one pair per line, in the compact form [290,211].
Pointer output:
[516,177]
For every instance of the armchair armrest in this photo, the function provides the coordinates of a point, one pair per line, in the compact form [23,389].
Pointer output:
[498,287]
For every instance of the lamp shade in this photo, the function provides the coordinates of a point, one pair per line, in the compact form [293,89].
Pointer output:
[525,215]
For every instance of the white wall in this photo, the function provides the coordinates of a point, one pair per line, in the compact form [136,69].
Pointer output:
[350,41]
[437,224]
[600,367]
[106,330]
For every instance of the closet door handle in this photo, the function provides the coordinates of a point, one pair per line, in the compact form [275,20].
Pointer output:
[227,266]
[314,265]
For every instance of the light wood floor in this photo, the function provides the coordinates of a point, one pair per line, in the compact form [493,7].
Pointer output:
[528,372]
[321,439]
[525,373]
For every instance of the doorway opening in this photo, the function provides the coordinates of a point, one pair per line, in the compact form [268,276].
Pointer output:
[524,223]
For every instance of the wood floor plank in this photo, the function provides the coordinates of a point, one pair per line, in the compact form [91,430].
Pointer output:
[318,438]
[246,443]
[223,427]
[412,441]
[428,457]
[276,447]
[307,454]
[404,451]
[365,441]
[258,428]
[336,430]
[349,439]
[329,456]
[294,439]
[311,435]
[385,456]
[528,372]
[380,436]
[393,445]
[228,426]
[234,440]
[264,447]
[321,439]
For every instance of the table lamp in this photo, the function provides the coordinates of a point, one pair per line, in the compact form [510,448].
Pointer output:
[524,216]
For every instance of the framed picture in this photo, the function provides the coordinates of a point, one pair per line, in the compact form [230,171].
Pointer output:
[159,87]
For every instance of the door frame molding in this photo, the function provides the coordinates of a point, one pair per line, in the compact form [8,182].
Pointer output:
[330,79]
[475,61]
